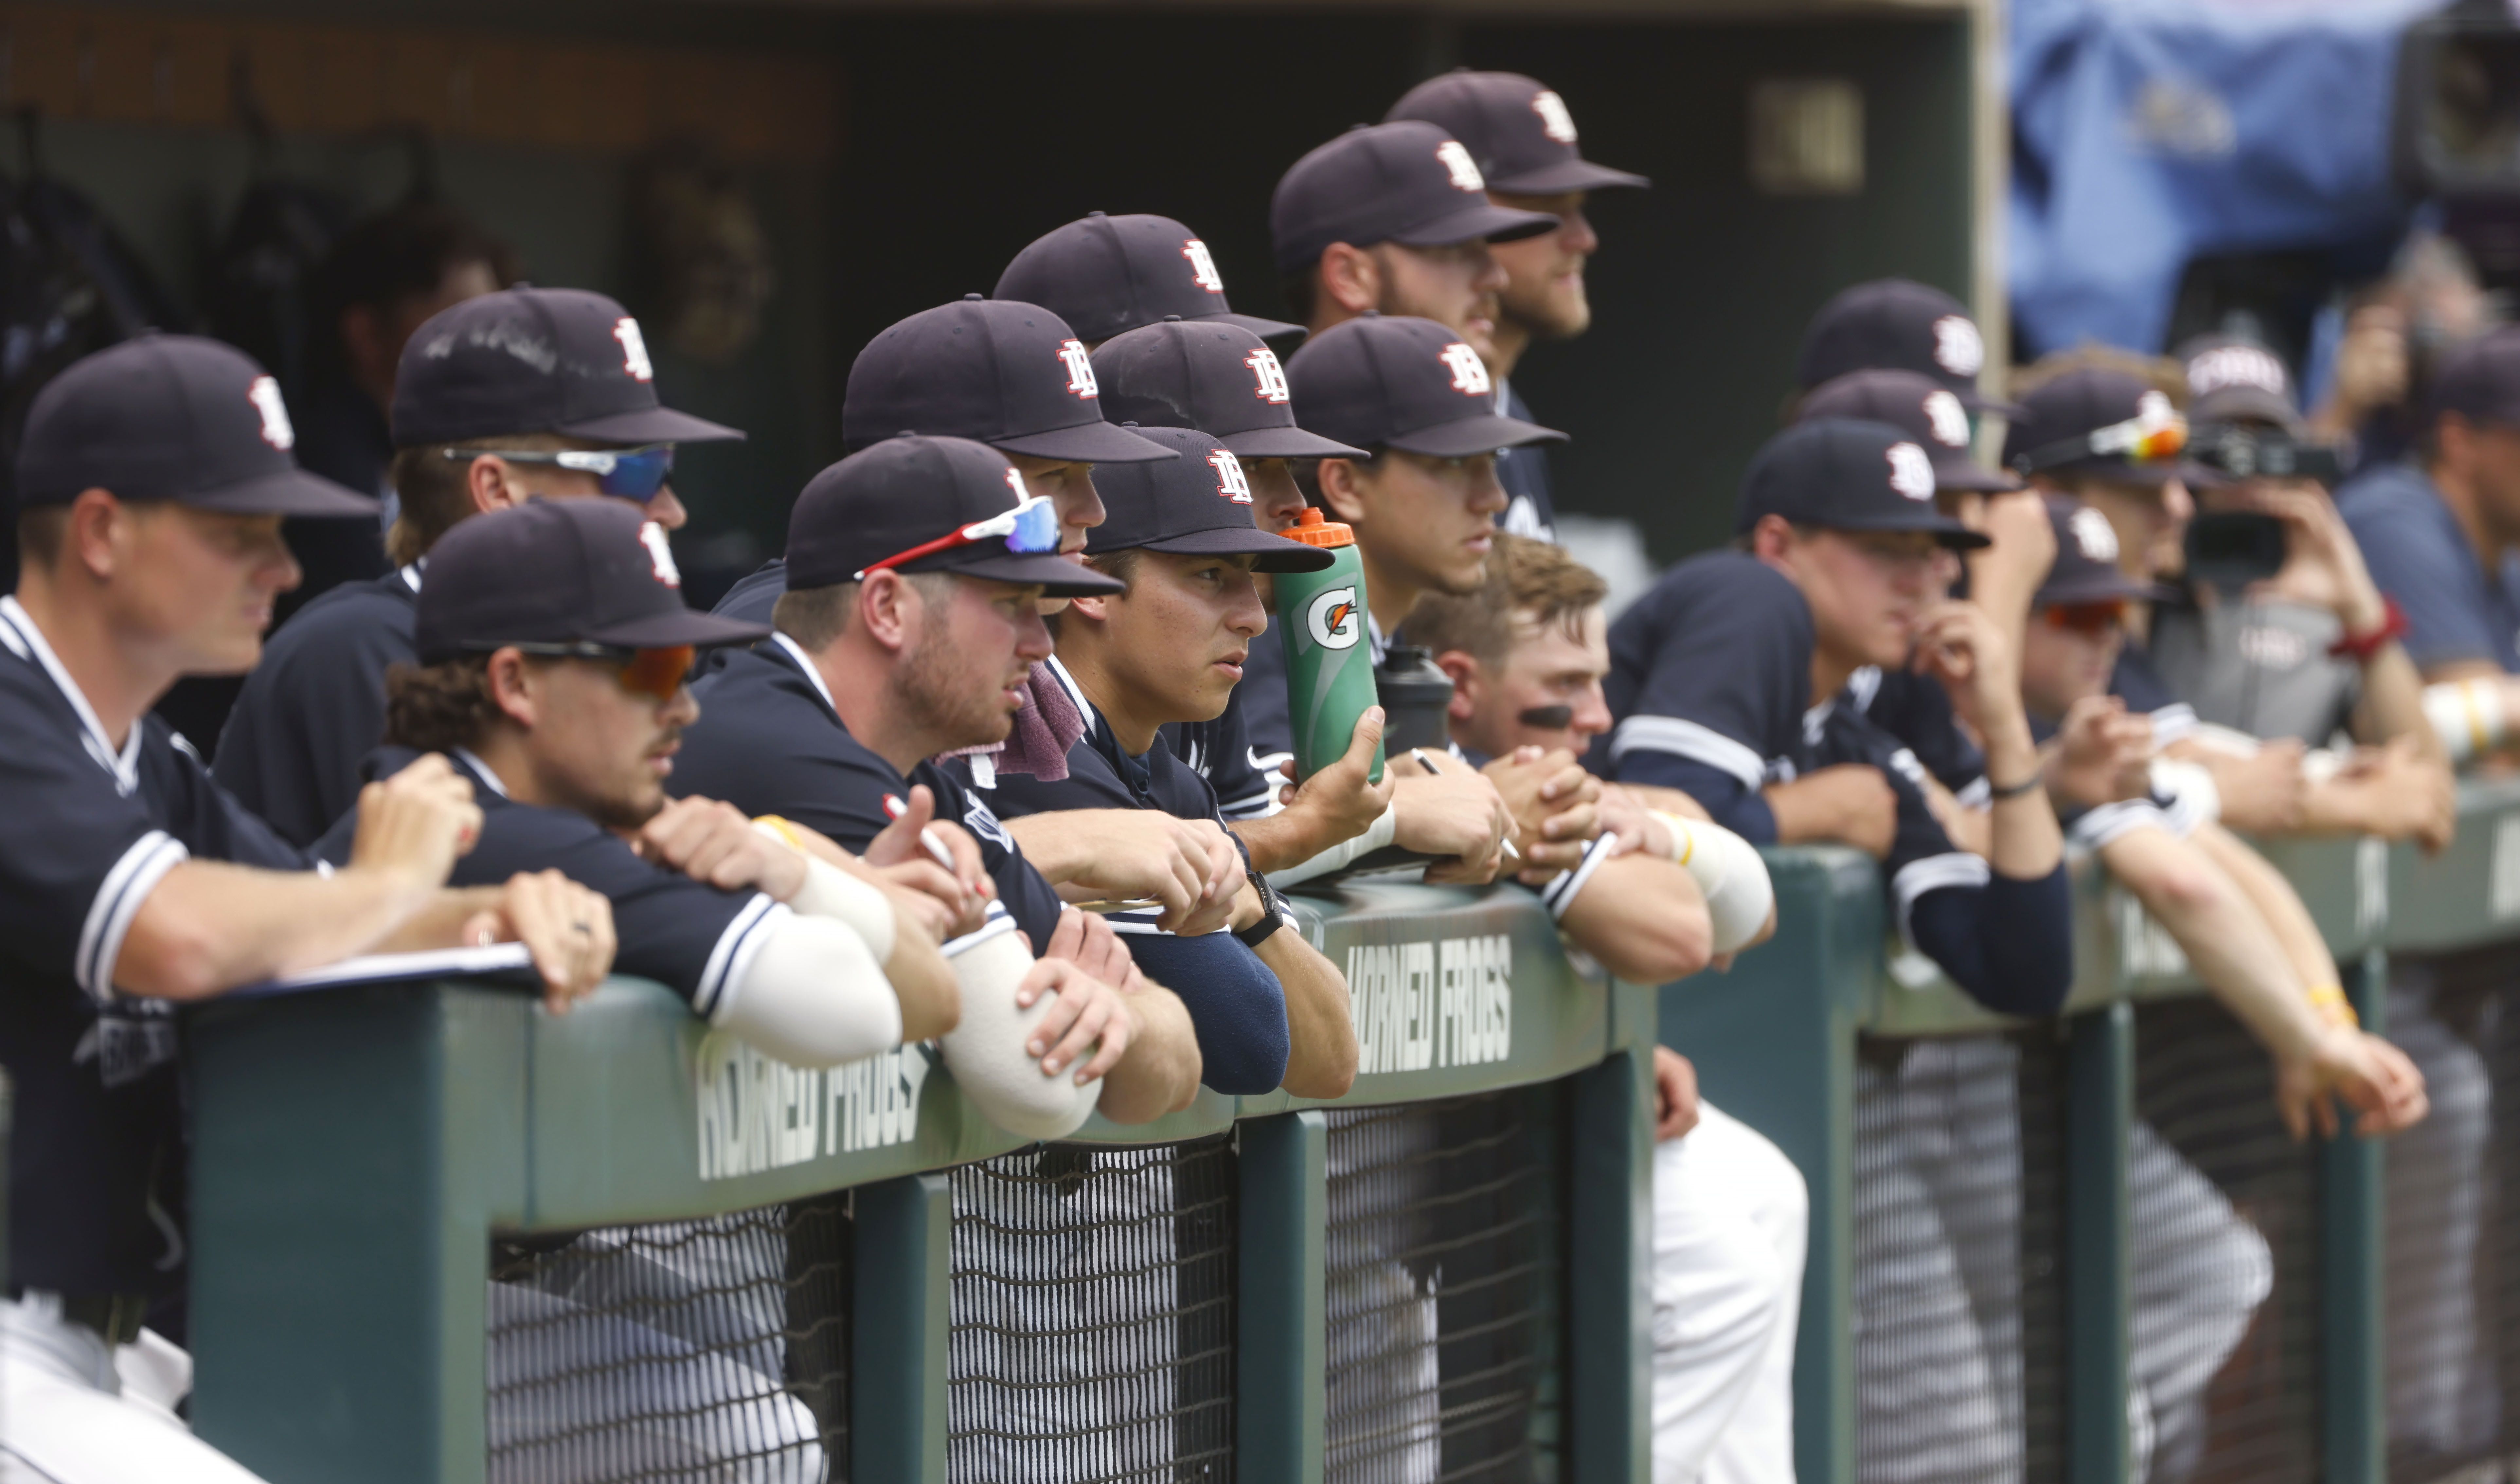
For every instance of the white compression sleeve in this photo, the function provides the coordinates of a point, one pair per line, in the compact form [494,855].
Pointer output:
[2466,715]
[1377,836]
[986,1052]
[1729,873]
[812,996]
[831,893]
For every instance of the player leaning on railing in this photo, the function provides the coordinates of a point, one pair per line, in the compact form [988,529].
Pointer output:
[1528,653]
[151,482]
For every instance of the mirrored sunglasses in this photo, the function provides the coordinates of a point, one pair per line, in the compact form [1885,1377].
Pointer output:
[1031,530]
[629,473]
[654,673]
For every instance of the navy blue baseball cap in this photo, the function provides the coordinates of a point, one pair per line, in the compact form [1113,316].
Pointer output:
[913,491]
[2060,415]
[2086,569]
[1517,131]
[2232,380]
[1002,373]
[1897,324]
[1929,413]
[591,572]
[1109,275]
[1846,475]
[535,360]
[1408,182]
[1400,382]
[1198,503]
[1216,378]
[171,417]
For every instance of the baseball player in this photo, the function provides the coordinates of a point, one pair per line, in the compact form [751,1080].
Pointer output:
[909,632]
[1225,383]
[1523,141]
[151,482]
[478,427]
[1169,647]
[1108,275]
[1896,324]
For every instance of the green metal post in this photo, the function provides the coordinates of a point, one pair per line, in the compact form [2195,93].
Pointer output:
[1610,1263]
[2353,1331]
[2099,1266]
[1281,1314]
[902,1300]
[1773,1042]
[351,1152]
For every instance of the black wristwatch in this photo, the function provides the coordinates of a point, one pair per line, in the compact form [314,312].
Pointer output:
[1271,912]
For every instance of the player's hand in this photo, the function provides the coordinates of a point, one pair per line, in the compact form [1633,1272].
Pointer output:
[715,842]
[903,841]
[566,927]
[1090,1017]
[1557,809]
[2262,792]
[2102,753]
[1675,1094]
[1086,941]
[415,825]
[1960,644]
[1447,808]
[2369,1074]
[1852,803]
[1191,866]
[2394,791]
[1340,798]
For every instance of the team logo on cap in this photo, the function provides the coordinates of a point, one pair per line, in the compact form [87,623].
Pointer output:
[264,394]
[1554,120]
[1267,376]
[1080,369]
[1469,373]
[661,555]
[2235,366]
[1950,418]
[634,350]
[1230,483]
[1958,348]
[2092,533]
[1459,164]
[1911,473]
[1202,268]
[1332,618]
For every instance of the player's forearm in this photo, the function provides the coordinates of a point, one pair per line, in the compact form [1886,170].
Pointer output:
[209,927]
[2393,702]
[2024,841]
[1306,845]
[1644,918]
[2294,929]
[1160,1072]
[1321,1053]
[2221,930]
[1059,842]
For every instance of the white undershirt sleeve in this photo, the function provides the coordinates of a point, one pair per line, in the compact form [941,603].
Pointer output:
[1340,856]
[811,995]
[986,1052]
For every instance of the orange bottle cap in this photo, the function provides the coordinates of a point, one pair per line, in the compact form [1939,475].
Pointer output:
[1312,530]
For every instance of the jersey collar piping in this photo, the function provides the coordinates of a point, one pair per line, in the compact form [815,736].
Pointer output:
[813,676]
[481,770]
[125,765]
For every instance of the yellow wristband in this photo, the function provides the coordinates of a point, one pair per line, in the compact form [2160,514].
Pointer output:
[786,831]
[2332,1005]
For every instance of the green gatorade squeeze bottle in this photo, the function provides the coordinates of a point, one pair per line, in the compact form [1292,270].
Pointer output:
[1330,667]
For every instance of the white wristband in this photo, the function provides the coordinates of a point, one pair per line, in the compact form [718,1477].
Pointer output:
[831,893]
[986,1052]
[2466,715]
[2194,797]
[1336,858]
[1730,874]
[812,996]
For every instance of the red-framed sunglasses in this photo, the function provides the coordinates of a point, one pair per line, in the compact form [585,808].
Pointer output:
[2089,620]
[654,673]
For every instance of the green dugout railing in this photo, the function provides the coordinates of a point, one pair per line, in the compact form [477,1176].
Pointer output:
[356,1150]
[1775,1044]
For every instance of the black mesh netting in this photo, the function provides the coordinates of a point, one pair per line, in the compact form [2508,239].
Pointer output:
[1959,1347]
[707,1349]
[2453,1320]
[1444,1277]
[2225,1222]
[1093,1319]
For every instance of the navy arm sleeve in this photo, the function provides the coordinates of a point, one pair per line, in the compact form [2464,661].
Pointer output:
[1236,1005]
[2008,943]
[1734,805]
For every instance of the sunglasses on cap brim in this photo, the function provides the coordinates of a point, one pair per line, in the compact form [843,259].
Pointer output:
[656,673]
[1029,529]
[2139,440]
[629,473]
[2089,619]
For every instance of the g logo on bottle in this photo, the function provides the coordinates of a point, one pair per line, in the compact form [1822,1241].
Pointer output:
[1333,619]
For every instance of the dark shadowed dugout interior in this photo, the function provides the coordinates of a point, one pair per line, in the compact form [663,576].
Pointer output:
[896,157]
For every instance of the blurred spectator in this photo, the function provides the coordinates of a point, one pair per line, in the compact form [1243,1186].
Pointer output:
[2395,333]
